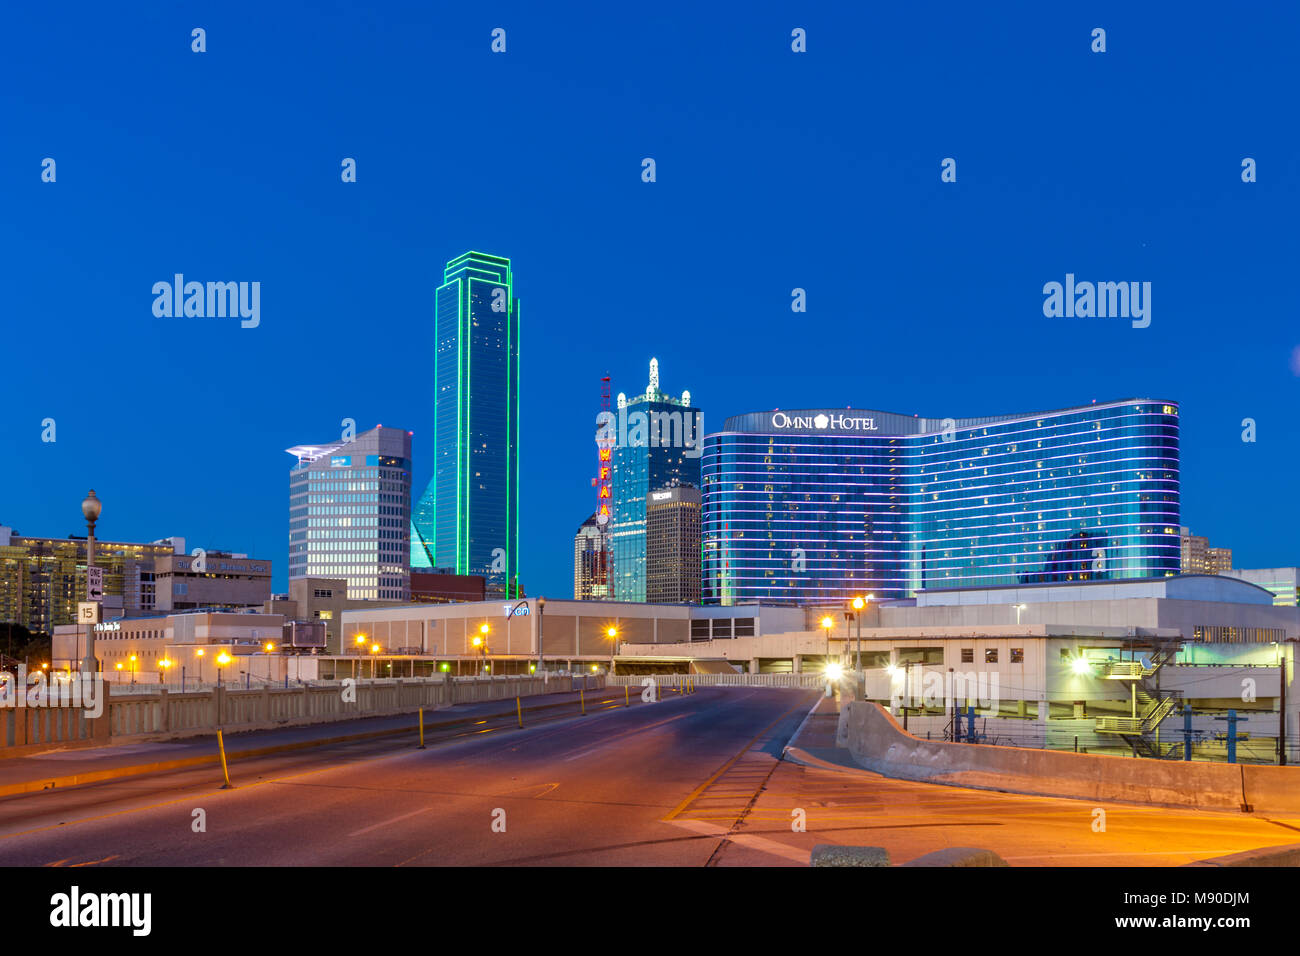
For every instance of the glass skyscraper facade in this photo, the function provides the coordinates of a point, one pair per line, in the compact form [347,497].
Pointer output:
[467,520]
[657,443]
[817,506]
[350,513]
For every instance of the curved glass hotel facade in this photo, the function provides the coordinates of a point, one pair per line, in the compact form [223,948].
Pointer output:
[818,505]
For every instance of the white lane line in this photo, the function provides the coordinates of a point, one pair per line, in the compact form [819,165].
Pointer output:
[377,826]
[609,740]
[762,844]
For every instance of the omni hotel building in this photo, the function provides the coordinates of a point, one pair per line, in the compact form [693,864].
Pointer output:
[816,506]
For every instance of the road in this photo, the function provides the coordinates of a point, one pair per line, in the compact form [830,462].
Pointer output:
[693,780]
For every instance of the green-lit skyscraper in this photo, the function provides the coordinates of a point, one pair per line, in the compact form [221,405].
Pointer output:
[467,520]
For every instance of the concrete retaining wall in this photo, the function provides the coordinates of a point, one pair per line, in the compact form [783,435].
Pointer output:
[878,743]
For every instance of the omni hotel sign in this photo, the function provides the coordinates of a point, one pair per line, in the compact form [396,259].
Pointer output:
[834,421]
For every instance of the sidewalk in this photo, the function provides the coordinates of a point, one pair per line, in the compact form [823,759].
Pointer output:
[75,766]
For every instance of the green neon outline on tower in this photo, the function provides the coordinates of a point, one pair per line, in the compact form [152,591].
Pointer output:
[470,508]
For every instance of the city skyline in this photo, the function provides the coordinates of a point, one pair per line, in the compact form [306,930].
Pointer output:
[938,305]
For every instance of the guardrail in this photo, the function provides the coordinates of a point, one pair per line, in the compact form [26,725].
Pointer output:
[801,681]
[137,714]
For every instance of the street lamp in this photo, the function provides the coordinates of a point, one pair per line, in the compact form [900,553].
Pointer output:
[361,640]
[1019,608]
[163,664]
[132,670]
[611,633]
[199,654]
[374,663]
[860,605]
[827,624]
[481,642]
[90,510]
[222,660]
[269,648]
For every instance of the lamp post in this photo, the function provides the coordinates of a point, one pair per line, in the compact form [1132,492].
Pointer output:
[827,624]
[1019,608]
[132,670]
[860,605]
[269,648]
[222,660]
[374,661]
[90,509]
[199,654]
[480,642]
[611,633]
[361,641]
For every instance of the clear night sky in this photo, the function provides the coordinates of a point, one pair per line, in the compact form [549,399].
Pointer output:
[775,170]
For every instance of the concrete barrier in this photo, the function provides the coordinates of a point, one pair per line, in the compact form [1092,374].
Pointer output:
[878,743]
[831,854]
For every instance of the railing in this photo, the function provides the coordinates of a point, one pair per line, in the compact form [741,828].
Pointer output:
[161,711]
[1126,670]
[801,681]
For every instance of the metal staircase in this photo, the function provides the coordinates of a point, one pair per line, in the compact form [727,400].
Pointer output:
[1150,705]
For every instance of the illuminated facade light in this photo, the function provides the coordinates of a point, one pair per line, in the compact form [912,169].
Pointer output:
[821,505]
[467,520]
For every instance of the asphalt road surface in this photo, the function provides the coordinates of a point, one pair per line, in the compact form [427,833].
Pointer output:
[692,780]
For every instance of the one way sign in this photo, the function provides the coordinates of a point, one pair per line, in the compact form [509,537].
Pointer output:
[94,584]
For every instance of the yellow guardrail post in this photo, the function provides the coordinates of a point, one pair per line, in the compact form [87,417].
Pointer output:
[627,696]
[225,771]
[582,702]
[421,747]
[519,711]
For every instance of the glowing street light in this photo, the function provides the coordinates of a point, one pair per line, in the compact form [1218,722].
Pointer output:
[222,660]
[199,654]
[480,641]
[611,634]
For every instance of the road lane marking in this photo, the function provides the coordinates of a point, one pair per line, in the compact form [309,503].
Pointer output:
[762,844]
[677,810]
[380,826]
[636,730]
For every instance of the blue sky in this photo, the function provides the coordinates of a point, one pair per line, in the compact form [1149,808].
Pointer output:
[775,170]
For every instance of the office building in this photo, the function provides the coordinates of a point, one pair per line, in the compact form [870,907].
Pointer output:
[590,562]
[672,545]
[1282,583]
[350,513]
[212,579]
[43,579]
[657,441]
[467,520]
[820,505]
[1197,557]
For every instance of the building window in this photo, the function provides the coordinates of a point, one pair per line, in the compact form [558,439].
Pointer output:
[744,627]
[991,655]
[1017,655]
[968,655]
